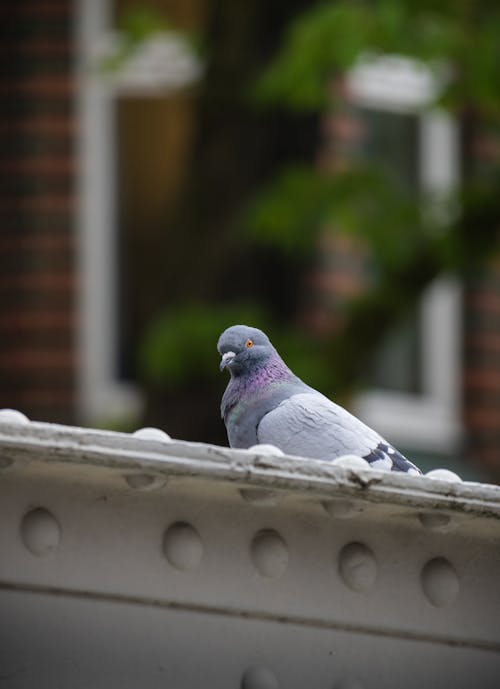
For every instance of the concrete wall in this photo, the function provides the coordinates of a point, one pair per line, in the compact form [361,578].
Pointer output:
[138,561]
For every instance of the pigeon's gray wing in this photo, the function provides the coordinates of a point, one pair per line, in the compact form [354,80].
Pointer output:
[311,425]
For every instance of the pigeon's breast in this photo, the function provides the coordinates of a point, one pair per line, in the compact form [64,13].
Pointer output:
[243,412]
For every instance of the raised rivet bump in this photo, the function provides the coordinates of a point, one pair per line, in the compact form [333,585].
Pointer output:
[258,678]
[13,416]
[144,481]
[357,567]
[435,521]
[351,462]
[267,450]
[342,509]
[182,546]
[150,433]
[269,554]
[439,582]
[40,532]
[444,475]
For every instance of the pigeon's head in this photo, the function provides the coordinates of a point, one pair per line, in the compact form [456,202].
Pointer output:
[243,349]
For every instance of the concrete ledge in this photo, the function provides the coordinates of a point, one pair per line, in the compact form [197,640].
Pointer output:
[137,560]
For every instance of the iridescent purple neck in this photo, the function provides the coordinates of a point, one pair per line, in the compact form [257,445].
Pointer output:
[272,371]
[255,392]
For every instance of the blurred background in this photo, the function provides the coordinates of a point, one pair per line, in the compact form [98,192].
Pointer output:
[325,171]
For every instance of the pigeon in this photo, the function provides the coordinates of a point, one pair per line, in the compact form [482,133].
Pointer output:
[265,402]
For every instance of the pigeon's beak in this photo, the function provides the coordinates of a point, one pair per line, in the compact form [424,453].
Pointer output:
[226,360]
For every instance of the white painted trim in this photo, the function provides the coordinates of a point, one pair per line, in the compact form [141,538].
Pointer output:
[432,421]
[162,63]
[75,450]
[101,396]
[392,82]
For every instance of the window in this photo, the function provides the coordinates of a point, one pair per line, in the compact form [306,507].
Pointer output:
[416,380]
[112,162]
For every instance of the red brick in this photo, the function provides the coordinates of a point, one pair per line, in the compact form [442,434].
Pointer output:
[33,359]
[41,125]
[38,8]
[43,85]
[38,203]
[484,299]
[38,281]
[337,283]
[39,164]
[480,340]
[36,243]
[40,47]
[485,418]
[482,379]
[35,320]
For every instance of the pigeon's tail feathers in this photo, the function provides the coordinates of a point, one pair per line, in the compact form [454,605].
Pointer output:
[387,458]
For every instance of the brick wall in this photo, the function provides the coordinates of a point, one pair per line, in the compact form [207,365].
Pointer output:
[36,209]
[482,361]
[340,271]
[482,328]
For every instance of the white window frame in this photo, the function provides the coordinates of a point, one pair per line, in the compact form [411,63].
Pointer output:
[101,396]
[167,65]
[430,421]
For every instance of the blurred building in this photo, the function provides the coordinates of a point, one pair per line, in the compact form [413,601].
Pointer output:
[84,163]
[434,387]
[38,240]
[84,159]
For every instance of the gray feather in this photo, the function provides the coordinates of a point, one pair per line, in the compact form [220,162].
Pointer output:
[310,425]
[265,402]
[243,417]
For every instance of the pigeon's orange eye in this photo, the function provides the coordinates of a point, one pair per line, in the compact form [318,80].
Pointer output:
[249,344]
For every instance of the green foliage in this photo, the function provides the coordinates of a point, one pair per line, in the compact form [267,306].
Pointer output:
[461,38]
[305,355]
[140,23]
[462,247]
[180,344]
[288,214]
[135,26]
[304,201]
[408,245]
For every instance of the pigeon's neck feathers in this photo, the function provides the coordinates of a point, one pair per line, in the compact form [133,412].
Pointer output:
[260,389]
[272,370]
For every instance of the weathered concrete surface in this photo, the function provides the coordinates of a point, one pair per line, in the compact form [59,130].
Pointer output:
[134,561]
